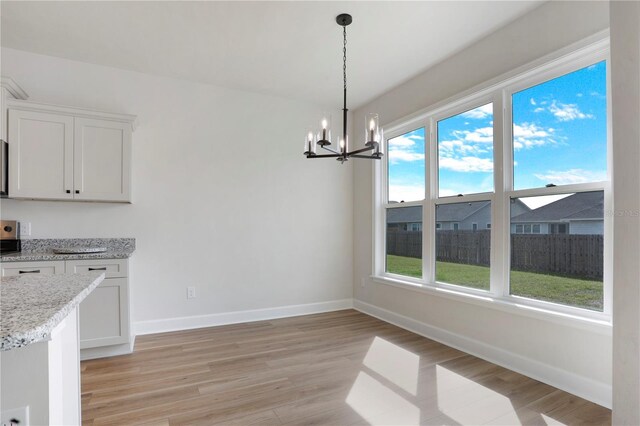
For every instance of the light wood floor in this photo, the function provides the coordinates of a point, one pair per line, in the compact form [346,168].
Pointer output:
[339,368]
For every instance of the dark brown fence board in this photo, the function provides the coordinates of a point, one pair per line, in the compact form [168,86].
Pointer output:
[560,254]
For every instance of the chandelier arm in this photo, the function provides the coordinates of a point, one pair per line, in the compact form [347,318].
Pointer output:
[369,157]
[329,149]
[325,156]
[358,151]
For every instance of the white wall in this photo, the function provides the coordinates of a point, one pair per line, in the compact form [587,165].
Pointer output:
[625,82]
[576,359]
[223,198]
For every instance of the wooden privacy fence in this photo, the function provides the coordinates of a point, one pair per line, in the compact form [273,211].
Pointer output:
[560,254]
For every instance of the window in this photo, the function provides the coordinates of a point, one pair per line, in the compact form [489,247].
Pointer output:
[462,257]
[406,167]
[465,169]
[465,152]
[546,200]
[560,267]
[560,130]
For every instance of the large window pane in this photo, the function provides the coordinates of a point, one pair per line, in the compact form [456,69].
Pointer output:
[560,130]
[404,241]
[465,152]
[462,250]
[557,248]
[406,164]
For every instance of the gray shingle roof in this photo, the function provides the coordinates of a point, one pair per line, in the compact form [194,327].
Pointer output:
[459,211]
[445,212]
[405,215]
[579,206]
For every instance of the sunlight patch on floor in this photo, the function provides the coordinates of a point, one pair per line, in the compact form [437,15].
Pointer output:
[394,363]
[378,404]
[470,402]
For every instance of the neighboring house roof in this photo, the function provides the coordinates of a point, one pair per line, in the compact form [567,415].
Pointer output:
[445,212]
[459,211]
[580,206]
[405,215]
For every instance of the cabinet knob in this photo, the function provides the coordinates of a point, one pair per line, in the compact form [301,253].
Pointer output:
[77,191]
[68,191]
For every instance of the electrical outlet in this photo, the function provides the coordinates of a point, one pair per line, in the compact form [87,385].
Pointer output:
[15,417]
[191,292]
[25,229]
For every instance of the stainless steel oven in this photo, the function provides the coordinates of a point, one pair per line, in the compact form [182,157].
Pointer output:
[10,236]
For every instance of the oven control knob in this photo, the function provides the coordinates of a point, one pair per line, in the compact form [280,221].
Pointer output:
[8,229]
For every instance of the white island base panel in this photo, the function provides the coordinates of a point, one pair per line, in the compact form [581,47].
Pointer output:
[45,377]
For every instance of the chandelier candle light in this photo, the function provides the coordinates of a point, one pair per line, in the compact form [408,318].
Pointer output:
[373,132]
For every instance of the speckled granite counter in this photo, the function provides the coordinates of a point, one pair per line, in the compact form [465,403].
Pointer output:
[32,305]
[34,250]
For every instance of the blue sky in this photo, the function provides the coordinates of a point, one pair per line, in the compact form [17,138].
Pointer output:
[559,137]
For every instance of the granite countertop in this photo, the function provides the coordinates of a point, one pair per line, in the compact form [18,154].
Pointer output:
[34,250]
[50,255]
[33,305]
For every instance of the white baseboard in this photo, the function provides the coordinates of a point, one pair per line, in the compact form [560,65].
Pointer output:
[597,392]
[200,321]
[107,351]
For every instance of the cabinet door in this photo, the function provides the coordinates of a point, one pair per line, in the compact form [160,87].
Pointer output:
[104,315]
[40,155]
[102,158]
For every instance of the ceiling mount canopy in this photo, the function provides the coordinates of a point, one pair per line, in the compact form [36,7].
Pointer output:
[322,137]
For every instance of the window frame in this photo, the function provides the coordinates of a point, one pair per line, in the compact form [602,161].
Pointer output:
[499,91]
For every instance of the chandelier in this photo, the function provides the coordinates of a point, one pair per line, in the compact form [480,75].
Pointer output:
[322,137]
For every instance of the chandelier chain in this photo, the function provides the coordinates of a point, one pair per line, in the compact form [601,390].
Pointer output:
[344,57]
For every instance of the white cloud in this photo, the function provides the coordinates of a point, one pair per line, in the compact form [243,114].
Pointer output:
[401,141]
[529,135]
[539,109]
[466,164]
[480,112]
[480,135]
[566,177]
[404,148]
[406,192]
[567,112]
[533,101]
[398,155]
[483,134]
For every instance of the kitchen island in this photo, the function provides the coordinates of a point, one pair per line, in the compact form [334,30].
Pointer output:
[39,346]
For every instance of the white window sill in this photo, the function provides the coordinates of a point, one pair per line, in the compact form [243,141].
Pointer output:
[597,325]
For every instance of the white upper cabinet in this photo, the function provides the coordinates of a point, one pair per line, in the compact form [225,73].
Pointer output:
[59,153]
[40,155]
[102,160]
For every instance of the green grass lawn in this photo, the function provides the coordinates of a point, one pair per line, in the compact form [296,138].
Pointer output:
[568,291]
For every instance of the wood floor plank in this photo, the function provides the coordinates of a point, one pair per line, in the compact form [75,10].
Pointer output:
[337,368]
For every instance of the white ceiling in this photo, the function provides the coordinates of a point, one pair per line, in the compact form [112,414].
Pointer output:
[289,49]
